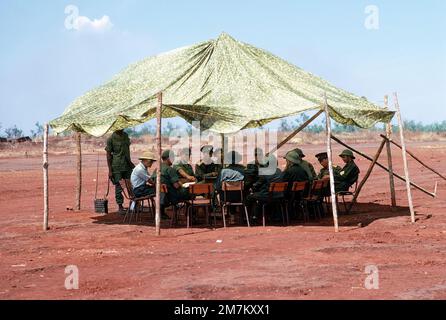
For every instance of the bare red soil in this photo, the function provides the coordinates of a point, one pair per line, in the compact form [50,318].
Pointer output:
[302,261]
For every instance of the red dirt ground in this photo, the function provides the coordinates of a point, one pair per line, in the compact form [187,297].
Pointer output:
[118,261]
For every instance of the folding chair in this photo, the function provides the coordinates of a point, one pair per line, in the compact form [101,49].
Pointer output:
[204,191]
[235,187]
[314,200]
[274,188]
[298,192]
[136,205]
[343,194]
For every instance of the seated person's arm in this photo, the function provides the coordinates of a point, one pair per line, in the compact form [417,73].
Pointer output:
[186,176]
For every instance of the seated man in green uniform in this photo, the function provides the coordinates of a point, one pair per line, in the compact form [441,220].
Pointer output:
[261,189]
[349,174]
[252,169]
[323,160]
[308,167]
[184,168]
[119,163]
[207,169]
[294,171]
[169,176]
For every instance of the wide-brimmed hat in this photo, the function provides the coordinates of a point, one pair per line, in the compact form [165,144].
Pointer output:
[347,153]
[299,152]
[148,155]
[321,156]
[293,157]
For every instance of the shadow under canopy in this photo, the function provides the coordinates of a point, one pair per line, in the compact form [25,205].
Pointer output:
[225,84]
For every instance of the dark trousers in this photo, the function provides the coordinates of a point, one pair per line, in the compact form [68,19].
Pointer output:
[117,176]
[143,191]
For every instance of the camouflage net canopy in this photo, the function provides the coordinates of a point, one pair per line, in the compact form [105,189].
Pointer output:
[226,84]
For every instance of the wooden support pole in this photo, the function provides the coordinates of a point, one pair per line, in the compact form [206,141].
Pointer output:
[301,127]
[45,178]
[334,205]
[158,158]
[77,204]
[389,157]
[406,167]
[367,175]
[417,159]
[382,166]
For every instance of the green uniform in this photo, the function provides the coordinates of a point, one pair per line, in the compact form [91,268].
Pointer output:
[203,171]
[122,166]
[309,169]
[294,173]
[346,177]
[186,168]
[325,172]
[169,176]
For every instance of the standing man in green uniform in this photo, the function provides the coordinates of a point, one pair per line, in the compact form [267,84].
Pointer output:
[349,174]
[308,167]
[120,165]
[207,168]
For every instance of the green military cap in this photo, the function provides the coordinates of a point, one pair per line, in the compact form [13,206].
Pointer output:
[321,156]
[347,153]
[167,154]
[299,152]
[293,157]
[207,148]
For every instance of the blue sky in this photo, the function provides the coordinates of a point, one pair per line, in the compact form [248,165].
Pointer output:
[44,66]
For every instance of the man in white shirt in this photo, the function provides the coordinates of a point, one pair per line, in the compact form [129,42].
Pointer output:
[142,184]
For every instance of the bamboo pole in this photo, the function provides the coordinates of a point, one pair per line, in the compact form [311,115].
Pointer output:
[403,149]
[389,158]
[158,158]
[45,178]
[77,205]
[417,159]
[301,127]
[382,166]
[367,175]
[330,167]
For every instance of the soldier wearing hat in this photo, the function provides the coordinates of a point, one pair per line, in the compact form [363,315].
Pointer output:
[348,175]
[119,163]
[142,184]
[207,168]
[294,170]
[308,167]
[323,160]
[184,168]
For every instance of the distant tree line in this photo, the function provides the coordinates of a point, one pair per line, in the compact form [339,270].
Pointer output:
[409,125]
[285,125]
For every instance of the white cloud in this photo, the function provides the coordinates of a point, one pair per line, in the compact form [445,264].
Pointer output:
[82,23]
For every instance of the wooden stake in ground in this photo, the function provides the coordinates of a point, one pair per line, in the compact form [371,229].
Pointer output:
[406,167]
[417,159]
[367,175]
[77,205]
[301,127]
[389,157]
[45,178]
[158,158]
[330,167]
[433,195]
